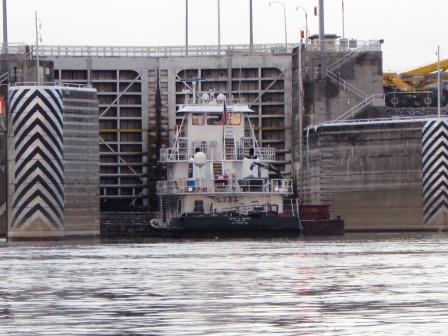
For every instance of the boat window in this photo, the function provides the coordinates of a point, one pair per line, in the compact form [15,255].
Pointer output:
[214,119]
[234,119]
[197,119]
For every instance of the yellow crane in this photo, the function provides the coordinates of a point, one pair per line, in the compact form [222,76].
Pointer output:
[416,87]
[427,69]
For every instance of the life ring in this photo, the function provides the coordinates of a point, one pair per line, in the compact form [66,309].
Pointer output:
[427,101]
[154,223]
[395,101]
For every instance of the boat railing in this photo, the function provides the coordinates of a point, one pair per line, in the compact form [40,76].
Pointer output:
[213,154]
[181,50]
[282,185]
[55,84]
[224,185]
[266,153]
[174,154]
[191,100]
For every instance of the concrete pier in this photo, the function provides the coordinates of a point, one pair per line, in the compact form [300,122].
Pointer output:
[53,162]
[81,162]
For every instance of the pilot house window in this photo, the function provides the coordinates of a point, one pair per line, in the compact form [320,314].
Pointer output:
[198,119]
[214,119]
[234,119]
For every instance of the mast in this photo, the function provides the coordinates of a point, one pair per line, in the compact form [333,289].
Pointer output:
[439,112]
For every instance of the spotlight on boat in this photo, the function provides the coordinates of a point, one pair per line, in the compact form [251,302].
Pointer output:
[205,98]
[221,98]
[200,159]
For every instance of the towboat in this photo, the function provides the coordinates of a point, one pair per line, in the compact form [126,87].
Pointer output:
[220,182]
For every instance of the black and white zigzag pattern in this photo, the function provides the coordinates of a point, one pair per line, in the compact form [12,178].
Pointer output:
[435,170]
[37,121]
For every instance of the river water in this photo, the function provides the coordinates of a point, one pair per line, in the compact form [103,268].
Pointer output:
[356,285]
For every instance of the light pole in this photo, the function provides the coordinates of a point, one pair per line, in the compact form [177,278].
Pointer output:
[5,28]
[438,83]
[186,27]
[306,21]
[251,26]
[321,26]
[284,16]
[343,20]
[219,27]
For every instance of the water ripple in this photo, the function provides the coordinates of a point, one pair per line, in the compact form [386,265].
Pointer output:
[358,285]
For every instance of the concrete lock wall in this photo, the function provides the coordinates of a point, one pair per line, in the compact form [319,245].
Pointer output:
[53,162]
[372,175]
[138,97]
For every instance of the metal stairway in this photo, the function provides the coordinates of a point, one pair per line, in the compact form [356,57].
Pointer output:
[347,57]
[346,86]
[217,168]
[373,100]
[229,143]
[183,148]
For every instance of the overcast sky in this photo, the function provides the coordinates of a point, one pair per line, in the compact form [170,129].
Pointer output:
[412,29]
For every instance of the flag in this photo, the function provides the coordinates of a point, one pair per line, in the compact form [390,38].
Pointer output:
[224,115]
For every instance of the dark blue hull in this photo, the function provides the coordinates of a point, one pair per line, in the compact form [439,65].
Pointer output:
[203,226]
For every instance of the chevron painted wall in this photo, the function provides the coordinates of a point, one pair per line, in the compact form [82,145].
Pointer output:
[435,172]
[36,160]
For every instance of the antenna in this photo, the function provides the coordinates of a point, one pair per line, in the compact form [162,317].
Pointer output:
[343,19]
[40,30]
[186,27]
[38,38]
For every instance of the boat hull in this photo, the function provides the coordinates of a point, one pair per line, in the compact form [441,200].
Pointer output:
[192,227]
[219,226]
